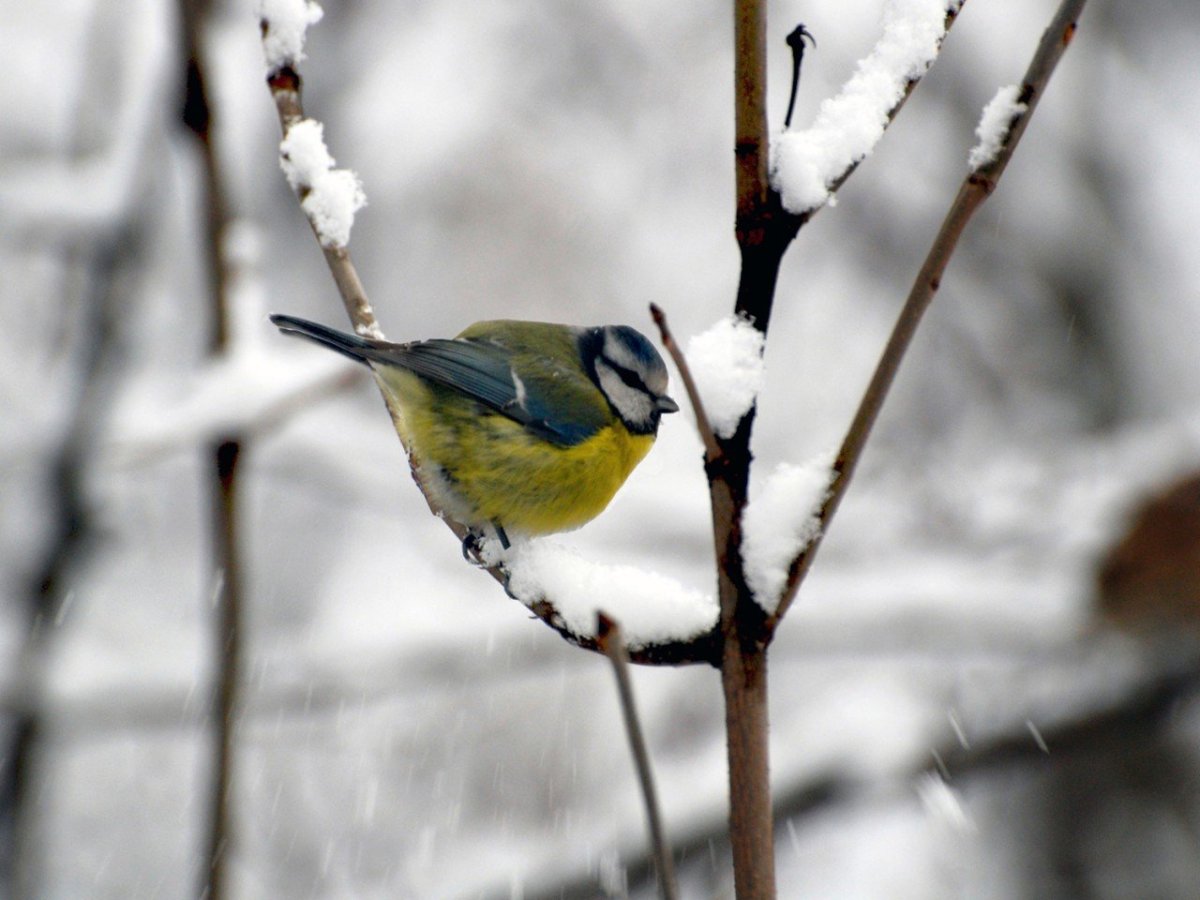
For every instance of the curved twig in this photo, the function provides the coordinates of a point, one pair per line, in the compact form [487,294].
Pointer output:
[613,646]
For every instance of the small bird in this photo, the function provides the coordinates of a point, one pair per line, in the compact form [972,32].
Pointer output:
[526,427]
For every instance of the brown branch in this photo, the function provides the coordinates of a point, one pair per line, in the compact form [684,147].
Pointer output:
[712,449]
[285,86]
[763,235]
[228,634]
[974,191]
[751,146]
[766,231]
[228,601]
[612,644]
[71,537]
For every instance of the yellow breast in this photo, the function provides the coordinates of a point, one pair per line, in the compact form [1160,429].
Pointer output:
[484,468]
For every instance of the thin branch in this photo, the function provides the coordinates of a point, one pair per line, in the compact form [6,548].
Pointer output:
[285,84]
[228,634]
[795,40]
[974,191]
[71,538]
[951,17]
[226,539]
[712,450]
[612,645]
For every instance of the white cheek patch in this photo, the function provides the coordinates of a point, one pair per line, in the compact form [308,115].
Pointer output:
[616,350]
[632,405]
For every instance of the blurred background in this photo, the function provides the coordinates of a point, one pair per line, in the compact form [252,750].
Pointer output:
[950,717]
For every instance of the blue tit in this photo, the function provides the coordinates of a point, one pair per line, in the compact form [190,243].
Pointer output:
[527,427]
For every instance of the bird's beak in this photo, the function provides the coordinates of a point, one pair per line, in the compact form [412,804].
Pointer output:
[665,404]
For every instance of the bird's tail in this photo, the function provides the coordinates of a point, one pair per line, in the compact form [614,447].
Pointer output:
[351,345]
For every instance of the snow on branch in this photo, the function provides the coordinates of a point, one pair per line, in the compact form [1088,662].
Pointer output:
[329,197]
[284,24]
[807,165]
[727,364]
[780,522]
[994,126]
[652,609]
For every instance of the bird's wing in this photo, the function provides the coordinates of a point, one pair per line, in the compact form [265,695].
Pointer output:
[555,404]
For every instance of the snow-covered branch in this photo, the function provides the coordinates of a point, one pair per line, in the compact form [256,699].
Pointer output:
[809,165]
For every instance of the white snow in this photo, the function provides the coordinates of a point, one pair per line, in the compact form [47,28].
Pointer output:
[994,124]
[285,23]
[727,365]
[650,608]
[848,126]
[780,522]
[331,196]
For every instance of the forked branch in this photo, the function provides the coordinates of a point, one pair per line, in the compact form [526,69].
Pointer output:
[975,189]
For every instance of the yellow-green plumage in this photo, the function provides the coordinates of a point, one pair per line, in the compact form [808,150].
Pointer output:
[502,473]
[528,427]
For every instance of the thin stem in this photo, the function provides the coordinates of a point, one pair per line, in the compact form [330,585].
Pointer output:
[198,116]
[228,633]
[71,537]
[795,40]
[974,191]
[613,645]
[711,448]
[285,87]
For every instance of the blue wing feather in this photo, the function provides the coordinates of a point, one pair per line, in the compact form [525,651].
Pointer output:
[555,401]
[483,371]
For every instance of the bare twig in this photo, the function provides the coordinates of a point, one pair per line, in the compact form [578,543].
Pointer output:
[227,598]
[612,645]
[795,40]
[750,107]
[974,191]
[711,448]
[284,83]
[70,538]
[228,632]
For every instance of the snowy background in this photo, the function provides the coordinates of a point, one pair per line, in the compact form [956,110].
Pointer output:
[409,732]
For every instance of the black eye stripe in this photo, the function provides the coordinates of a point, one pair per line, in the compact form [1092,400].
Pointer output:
[630,377]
